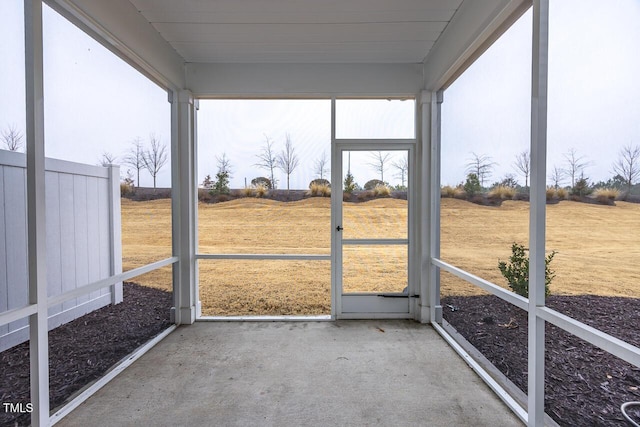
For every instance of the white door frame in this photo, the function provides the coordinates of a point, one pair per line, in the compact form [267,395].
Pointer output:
[369,306]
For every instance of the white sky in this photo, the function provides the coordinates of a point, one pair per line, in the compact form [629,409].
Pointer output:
[94,102]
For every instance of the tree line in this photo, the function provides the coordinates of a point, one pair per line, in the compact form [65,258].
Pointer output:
[571,173]
[151,157]
[287,161]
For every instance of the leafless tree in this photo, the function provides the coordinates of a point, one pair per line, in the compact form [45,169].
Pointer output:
[135,157]
[224,164]
[155,157]
[402,166]
[12,138]
[321,166]
[481,165]
[287,159]
[628,165]
[556,176]
[268,160]
[575,165]
[379,162]
[107,159]
[523,165]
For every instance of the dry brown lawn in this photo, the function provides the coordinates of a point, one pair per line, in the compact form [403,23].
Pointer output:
[598,249]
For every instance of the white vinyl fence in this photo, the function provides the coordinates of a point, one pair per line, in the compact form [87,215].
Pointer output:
[83,238]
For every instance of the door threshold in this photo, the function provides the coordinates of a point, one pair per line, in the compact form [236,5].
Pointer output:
[284,318]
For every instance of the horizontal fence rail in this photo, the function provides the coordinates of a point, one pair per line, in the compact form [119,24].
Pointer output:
[375,241]
[281,257]
[608,343]
[110,281]
[612,345]
[7,317]
[496,290]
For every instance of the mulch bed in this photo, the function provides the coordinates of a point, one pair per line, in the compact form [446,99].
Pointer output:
[584,385]
[81,351]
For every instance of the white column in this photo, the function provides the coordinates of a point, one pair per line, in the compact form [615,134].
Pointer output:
[184,190]
[38,334]
[424,200]
[115,232]
[537,210]
[430,309]
[436,104]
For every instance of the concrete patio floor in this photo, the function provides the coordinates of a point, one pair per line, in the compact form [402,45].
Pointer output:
[345,373]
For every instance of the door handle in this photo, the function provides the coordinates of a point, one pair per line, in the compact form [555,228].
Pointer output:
[339,228]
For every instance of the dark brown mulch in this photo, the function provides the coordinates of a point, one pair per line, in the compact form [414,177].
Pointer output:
[81,351]
[584,385]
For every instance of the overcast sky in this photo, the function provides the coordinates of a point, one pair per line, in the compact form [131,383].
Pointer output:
[94,102]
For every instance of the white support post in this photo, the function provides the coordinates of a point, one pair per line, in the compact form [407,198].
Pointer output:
[537,211]
[436,104]
[115,232]
[38,330]
[424,160]
[430,206]
[184,204]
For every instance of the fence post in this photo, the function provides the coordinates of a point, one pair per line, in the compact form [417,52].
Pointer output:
[115,232]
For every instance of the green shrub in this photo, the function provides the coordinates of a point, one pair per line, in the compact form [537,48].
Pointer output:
[221,186]
[472,185]
[581,188]
[350,184]
[517,271]
[372,184]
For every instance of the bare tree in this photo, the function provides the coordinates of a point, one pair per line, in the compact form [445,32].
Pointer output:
[224,164]
[575,165]
[12,138]
[523,165]
[481,166]
[556,176]
[287,159]
[107,159]
[628,165]
[268,160]
[402,166]
[135,157]
[379,163]
[321,166]
[155,157]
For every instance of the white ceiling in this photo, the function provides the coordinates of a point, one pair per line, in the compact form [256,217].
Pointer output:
[299,31]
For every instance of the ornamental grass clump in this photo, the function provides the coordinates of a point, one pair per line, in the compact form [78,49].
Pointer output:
[319,190]
[260,190]
[606,195]
[381,190]
[246,192]
[516,271]
[502,192]
[452,192]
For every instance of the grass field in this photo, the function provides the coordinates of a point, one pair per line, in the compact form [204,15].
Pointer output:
[598,248]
